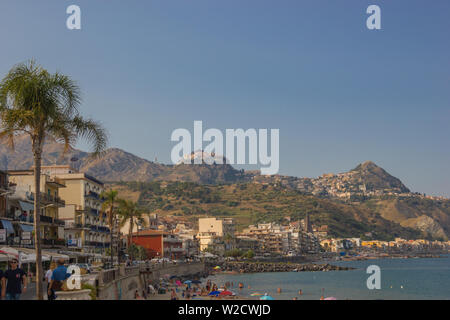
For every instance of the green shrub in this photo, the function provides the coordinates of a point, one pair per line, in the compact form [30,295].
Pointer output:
[87,286]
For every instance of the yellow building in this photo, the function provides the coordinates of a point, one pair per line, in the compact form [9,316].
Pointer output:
[217,234]
[86,226]
[52,228]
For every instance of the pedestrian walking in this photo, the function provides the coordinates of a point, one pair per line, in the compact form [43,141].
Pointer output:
[48,279]
[59,275]
[14,281]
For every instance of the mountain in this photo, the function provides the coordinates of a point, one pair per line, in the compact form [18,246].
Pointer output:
[367,179]
[367,189]
[115,164]
[375,178]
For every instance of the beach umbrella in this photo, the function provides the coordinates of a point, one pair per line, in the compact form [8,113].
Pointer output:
[217,267]
[196,281]
[266,297]
[173,277]
[226,293]
[187,282]
[330,298]
[214,293]
[178,282]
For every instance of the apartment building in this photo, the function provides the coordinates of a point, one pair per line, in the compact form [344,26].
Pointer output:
[20,208]
[86,227]
[280,240]
[216,234]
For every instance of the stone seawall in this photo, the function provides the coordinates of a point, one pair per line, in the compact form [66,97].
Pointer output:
[252,267]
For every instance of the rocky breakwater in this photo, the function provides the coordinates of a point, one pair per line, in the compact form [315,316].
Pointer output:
[253,267]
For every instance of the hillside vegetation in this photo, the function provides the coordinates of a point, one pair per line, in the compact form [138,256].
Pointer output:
[250,203]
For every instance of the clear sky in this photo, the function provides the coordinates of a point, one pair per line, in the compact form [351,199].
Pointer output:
[339,93]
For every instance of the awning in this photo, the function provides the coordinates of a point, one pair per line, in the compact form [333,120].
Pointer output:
[26,227]
[8,226]
[24,255]
[55,255]
[26,206]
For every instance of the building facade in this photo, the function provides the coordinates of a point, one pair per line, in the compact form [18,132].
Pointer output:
[86,227]
[215,234]
[20,208]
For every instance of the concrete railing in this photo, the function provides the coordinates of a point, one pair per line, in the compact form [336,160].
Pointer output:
[73,295]
[121,283]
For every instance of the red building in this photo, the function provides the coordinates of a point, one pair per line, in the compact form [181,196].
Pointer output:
[159,244]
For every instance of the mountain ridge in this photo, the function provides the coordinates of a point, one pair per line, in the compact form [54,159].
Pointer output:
[367,185]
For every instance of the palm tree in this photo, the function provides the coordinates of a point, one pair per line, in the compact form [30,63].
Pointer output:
[109,205]
[130,212]
[44,106]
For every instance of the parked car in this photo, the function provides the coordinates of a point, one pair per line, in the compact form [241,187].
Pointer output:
[85,267]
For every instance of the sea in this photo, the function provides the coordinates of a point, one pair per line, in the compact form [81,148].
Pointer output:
[401,279]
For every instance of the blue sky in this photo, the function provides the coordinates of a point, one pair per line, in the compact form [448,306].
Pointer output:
[339,93]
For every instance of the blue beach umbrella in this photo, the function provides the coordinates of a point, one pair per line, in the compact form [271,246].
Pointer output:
[214,293]
[188,282]
[266,297]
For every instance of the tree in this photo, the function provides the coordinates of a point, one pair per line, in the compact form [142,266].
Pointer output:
[131,213]
[250,254]
[44,106]
[109,204]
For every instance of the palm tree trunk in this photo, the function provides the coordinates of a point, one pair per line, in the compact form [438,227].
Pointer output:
[37,224]
[130,236]
[118,245]
[111,236]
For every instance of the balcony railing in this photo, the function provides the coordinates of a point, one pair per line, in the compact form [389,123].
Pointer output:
[99,228]
[59,222]
[46,198]
[46,219]
[96,244]
[93,195]
[53,242]
[95,212]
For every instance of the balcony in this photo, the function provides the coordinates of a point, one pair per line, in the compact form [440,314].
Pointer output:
[53,242]
[59,222]
[47,199]
[46,219]
[96,244]
[73,225]
[94,212]
[93,195]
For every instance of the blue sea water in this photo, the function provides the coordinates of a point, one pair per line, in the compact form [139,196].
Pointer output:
[408,279]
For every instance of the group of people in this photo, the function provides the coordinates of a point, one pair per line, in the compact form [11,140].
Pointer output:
[55,277]
[14,281]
